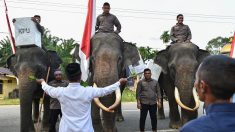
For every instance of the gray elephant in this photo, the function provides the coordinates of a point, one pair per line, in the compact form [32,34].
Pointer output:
[110,57]
[179,63]
[32,61]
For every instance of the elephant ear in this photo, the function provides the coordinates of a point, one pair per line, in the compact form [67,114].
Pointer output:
[54,60]
[201,55]
[162,60]
[11,62]
[130,54]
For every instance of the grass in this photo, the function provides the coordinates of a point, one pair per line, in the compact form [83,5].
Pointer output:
[9,101]
[128,95]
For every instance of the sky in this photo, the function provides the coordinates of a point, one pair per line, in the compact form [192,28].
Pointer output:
[143,21]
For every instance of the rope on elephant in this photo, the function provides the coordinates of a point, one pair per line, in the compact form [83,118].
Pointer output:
[40,110]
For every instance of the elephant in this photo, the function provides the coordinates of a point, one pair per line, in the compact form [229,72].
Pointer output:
[32,61]
[179,63]
[110,57]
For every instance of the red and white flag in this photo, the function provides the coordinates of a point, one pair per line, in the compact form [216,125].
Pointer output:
[9,29]
[232,52]
[89,31]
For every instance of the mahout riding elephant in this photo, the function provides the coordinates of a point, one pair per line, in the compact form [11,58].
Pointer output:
[110,57]
[179,63]
[32,61]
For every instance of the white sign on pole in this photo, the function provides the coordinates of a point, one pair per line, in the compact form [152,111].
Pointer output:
[26,32]
[155,70]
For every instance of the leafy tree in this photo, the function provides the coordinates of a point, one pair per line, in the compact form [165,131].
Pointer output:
[147,53]
[214,46]
[5,51]
[165,37]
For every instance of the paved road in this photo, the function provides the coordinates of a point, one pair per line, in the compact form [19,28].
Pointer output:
[10,119]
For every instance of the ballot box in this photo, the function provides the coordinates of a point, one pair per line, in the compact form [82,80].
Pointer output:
[26,32]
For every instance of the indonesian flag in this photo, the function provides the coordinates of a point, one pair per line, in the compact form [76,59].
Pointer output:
[89,30]
[232,52]
[9,29]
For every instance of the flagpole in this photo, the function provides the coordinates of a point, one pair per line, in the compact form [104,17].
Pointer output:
[9,29]
[232,54]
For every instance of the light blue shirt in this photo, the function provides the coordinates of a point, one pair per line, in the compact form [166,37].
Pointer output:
[234,98]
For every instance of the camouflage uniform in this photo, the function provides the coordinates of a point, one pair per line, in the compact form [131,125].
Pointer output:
[106,22]
[180,33]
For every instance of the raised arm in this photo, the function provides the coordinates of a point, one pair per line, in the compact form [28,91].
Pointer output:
[99,92]
[52,91]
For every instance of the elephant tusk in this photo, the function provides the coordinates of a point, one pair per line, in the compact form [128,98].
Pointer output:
[118,99]
[116,103]
[196,99]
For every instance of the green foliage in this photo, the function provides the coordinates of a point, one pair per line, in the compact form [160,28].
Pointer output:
[214,46]
[147,53]
[9,101]
[128,95]
[63,47]
[5,51]
[165,37]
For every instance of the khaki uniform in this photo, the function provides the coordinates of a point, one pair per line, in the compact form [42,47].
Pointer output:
[106,23]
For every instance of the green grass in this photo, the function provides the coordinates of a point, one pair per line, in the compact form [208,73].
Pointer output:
[128,95]
[9,101]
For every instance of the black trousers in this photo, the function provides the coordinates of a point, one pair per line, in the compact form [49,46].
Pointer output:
[143,114]
[54,113]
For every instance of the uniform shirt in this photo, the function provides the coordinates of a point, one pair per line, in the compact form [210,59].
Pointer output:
[219,118]
[106,22]
[180,33]
[75,101]
[148,91]
[54,103]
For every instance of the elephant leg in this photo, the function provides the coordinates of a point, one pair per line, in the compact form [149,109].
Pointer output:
[46,108]
[119,116]
[35,110]
[188,115]
[26,122]
[174,111]
[96,120]
[161,114]
[109,122]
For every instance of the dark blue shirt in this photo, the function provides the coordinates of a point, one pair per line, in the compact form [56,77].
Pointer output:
[218,118]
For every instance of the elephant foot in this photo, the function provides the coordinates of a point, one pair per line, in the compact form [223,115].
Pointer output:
[175,125]
[119,118]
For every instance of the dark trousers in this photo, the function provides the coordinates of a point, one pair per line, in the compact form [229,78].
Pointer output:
[143,114]
[54,113]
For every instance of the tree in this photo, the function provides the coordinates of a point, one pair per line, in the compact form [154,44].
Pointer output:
[165,37]
[5,51]
[147,53]
[214,46]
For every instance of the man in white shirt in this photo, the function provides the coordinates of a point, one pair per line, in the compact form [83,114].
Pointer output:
[76,100]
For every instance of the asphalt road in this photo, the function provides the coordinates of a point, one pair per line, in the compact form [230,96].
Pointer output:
[10,119]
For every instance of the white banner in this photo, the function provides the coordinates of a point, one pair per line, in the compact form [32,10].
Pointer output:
[26,32]
[155,70]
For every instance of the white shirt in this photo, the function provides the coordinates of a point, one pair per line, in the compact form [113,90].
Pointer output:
[75,103]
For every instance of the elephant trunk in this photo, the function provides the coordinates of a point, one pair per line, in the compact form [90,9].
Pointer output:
[185,93]
[113,106]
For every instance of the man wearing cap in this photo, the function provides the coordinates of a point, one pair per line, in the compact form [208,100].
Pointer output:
[75,100]
[55,109]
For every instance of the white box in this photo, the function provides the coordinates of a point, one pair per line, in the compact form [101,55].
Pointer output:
[26,32]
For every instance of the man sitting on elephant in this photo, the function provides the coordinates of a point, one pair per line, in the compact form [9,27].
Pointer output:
[105,22]
[180,32]
[76,108]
